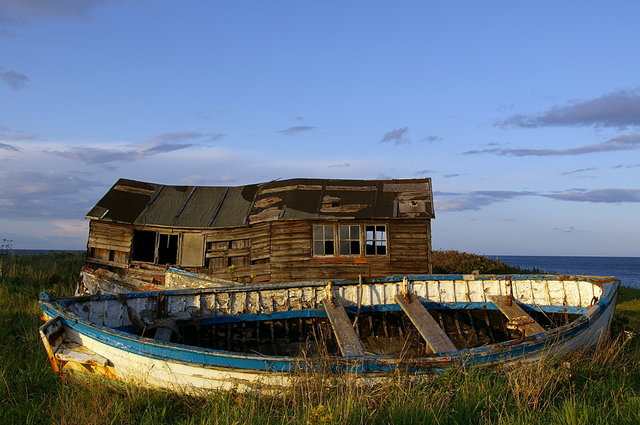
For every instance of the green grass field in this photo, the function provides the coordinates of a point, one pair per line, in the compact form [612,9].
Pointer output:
[600,386]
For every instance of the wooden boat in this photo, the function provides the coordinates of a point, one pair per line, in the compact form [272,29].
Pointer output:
[237,337]
[100,281]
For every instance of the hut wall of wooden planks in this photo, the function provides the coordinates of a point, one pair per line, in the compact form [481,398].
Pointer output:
[269,232]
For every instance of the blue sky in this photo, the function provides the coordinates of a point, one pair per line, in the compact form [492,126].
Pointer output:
[526,116]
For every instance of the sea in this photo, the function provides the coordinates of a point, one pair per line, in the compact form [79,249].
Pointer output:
[627,269]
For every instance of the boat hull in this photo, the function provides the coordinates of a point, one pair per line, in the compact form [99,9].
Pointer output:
[147,362]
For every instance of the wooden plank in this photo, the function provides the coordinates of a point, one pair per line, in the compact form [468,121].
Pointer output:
[348,341]
[434,336]
[516,315]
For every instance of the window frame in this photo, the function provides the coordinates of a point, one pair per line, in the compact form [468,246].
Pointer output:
[337,240]
[324,240]
[375,239]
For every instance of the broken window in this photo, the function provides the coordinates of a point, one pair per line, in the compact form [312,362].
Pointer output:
[167,249]
[154,247]
[222,254]
[376,240]
[323,240]
[349,240]
[144,246]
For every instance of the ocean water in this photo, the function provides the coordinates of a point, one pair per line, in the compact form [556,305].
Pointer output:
[627,269]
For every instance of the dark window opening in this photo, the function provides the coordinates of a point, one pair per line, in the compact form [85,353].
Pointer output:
[323,240]
[144,246]
[349,240]
[167,249]
[376,240]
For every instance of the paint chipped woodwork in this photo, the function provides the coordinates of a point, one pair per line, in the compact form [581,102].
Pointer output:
[516,315]
[347,339]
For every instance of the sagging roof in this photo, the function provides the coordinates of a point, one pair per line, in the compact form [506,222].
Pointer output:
[140,203]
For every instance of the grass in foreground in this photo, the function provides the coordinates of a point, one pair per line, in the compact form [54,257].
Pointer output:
[599,386]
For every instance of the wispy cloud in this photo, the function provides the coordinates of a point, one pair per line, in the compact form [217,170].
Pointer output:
[163,143]
[25,194]
[292,131]
[13,79]
[432,139]
[580,170]
[569,229]
[9,147]
[620,143]
[607,195]
[618,109]
[397,136]
[425,172]
[448,176]
[342,165]
[456,201]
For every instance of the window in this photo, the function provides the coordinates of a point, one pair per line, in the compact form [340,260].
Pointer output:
[154,247]
[167,249]
[144,246]
[376,240]
[323,240]
[225,253]
[349,240]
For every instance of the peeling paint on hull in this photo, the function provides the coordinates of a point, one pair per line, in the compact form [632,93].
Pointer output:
[96,324]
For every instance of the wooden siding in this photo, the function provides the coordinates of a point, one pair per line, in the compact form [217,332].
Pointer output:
[292,258]
[109,244]
[271,252]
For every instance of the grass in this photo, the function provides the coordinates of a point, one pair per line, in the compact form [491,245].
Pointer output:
[596,386]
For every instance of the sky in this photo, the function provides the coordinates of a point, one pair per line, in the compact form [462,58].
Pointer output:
[525,115]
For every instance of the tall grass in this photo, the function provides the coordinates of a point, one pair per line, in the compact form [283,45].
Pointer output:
[594,386]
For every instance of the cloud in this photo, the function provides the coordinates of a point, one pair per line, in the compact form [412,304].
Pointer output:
[425,172]
[13,79]
[292,131]
[432,139]
[91,155]
[167,142]
[9,147]
[448,176]
[396,136]
[164,148]
[343,165]
[29,194]
[452,201]
[608,195]
[569,229]
[617,109]
[182,136]
[620,143]
[580,170]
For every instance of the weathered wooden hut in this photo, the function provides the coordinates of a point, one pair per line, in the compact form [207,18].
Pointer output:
[269,232]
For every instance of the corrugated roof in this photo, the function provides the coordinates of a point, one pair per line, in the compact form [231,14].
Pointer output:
[141,203]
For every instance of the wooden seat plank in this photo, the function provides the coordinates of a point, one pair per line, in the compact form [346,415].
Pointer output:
[516,315]
[346,336]
[435,337]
